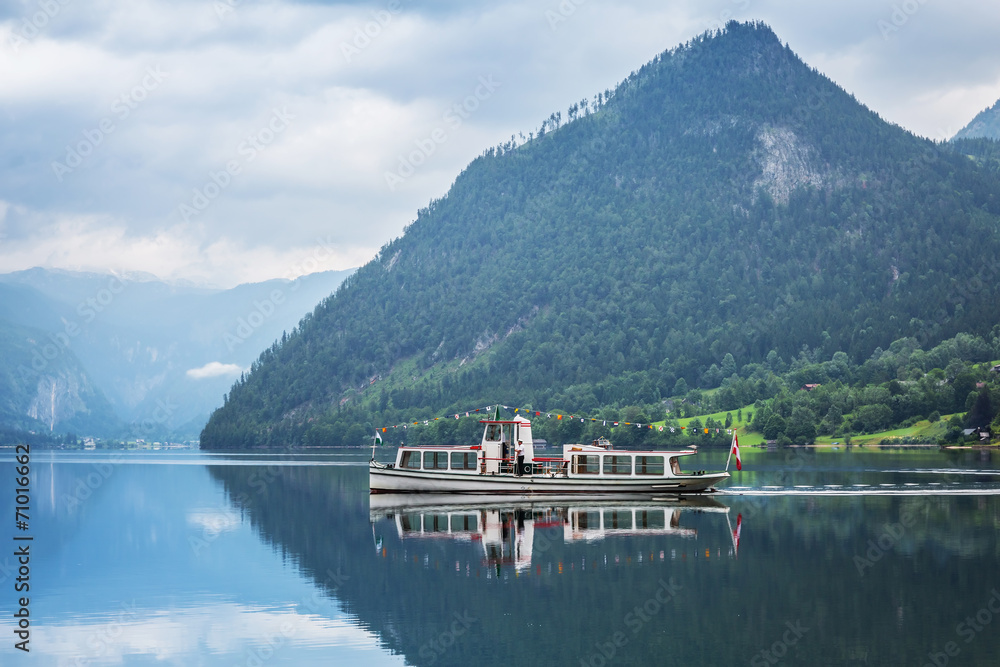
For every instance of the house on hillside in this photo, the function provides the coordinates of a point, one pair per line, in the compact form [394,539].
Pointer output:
[995,369]
[983,433]
[808,387]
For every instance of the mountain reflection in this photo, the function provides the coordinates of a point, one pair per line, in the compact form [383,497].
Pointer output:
[459,581]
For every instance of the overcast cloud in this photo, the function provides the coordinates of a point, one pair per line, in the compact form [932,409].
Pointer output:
[225,141]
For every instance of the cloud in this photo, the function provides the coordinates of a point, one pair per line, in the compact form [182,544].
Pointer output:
[214,369]
[365,82]
[182,635]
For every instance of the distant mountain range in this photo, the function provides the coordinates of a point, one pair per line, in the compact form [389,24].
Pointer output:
[132,356]
[986,124]
[723,204]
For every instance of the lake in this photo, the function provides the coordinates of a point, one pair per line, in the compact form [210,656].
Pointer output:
[811,557]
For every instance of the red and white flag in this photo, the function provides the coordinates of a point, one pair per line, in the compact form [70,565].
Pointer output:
[736,451]
[736,534]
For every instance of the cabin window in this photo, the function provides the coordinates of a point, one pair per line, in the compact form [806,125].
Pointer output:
[464,460]
[586,464]
[464,522]
[618,519]
[435,460]
[649,465]
[649,519]
[409,522]
[435,523]
[494,432]
[588,520]
[617,465]
[410,460]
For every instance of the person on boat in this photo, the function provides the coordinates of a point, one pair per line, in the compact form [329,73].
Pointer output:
[520,458]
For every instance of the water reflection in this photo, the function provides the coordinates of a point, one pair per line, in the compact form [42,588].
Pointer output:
[569,582]
[267,560]
[504,531]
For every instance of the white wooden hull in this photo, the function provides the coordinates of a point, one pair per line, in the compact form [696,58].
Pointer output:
[396,480]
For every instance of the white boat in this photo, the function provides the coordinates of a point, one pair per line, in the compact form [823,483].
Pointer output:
[492,467]
[504,528]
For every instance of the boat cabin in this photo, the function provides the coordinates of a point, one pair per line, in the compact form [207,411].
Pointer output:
[600,461]
[496,454]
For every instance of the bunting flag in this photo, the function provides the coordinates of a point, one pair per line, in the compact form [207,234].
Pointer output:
[493,414]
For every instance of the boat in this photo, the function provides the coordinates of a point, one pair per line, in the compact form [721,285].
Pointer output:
[507,529]
[494,467]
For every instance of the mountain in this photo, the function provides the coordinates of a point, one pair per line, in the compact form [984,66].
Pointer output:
[162,354]
[725,204]
[986,124]
[43,386]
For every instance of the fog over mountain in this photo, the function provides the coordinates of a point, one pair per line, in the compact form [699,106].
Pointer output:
[132,356]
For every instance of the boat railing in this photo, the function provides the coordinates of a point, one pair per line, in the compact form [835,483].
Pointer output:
[549,466]
[552,467]
[506,463]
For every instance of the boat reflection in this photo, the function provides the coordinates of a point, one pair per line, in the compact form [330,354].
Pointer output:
[504,528]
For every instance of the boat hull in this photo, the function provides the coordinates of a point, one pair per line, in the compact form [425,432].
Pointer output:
[395,480]
[383,504]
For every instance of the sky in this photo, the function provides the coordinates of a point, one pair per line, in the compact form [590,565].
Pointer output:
[228,141]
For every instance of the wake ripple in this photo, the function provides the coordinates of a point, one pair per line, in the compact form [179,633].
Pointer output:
[908,489]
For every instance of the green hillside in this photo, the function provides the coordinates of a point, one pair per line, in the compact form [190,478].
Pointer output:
[725,204]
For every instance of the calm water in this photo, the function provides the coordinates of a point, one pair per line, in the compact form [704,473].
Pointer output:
[852,557]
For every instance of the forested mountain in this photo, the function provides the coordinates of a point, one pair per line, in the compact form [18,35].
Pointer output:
[985,124]
[724,199]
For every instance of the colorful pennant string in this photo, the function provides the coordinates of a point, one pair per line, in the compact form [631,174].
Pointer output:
[478,413]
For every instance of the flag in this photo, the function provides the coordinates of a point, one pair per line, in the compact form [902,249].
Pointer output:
[736,533]
[378,437]
[736,451]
